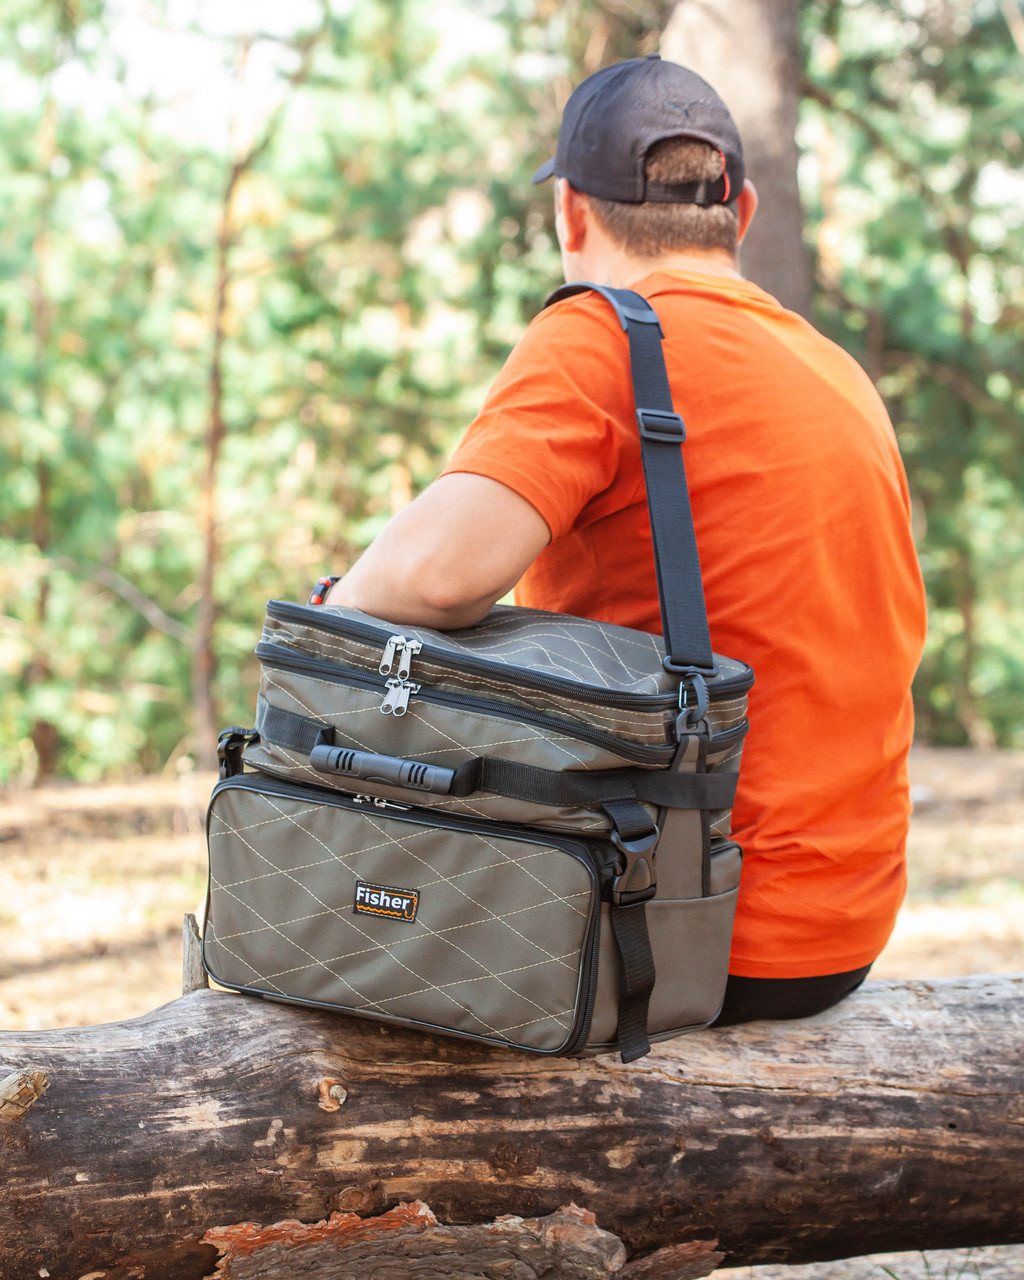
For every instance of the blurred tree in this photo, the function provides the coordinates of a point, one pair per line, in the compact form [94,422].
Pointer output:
[912,137]
[287,324]
[750,51]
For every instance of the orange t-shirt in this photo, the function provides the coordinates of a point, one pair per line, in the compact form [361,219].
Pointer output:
[801,512]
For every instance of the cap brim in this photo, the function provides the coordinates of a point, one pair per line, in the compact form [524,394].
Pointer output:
[547,170]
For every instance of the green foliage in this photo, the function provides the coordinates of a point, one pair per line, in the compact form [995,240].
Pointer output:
[912,136]
[381,249]
[356,194]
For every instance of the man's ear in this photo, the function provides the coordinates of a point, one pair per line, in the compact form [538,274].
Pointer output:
[746,207]
[571,209]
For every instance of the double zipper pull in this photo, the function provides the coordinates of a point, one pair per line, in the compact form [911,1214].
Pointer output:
[396,700]
[402,649]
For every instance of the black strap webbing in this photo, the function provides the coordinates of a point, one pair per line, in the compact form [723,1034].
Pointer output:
[629,819]
[684,618]
[287,728]
[629,924]
[661,787]
[680,591]
[576,787]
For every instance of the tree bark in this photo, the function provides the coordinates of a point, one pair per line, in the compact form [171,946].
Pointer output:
[567,1245]
[749,51]
[894,1121]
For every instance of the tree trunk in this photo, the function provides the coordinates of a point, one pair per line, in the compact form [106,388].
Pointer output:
[204,662]
[44,733]
[892,1122]
[749,51]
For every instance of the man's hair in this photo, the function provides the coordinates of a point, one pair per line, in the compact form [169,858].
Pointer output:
[650,229]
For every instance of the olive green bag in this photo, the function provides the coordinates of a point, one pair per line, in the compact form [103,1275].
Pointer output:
[516,833]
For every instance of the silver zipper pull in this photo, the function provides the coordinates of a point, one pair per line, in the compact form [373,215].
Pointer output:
[391,697]
[394,645]
[405,656]
[396,700]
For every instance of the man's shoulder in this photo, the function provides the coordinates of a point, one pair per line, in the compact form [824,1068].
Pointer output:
[586,312]
[578,336]
[585,323]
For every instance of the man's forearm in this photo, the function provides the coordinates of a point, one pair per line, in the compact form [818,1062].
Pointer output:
[446,558]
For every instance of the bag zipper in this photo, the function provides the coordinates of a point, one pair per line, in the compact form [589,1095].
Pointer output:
[397,693]
[453,822]
[284,611]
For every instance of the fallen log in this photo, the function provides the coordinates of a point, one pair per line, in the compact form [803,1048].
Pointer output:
[567,1245]
[140,1150]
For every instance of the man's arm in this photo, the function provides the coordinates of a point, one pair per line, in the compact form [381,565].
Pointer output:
[447,557]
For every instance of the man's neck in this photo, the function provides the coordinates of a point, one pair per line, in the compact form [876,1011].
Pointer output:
[619,269]
[712,263]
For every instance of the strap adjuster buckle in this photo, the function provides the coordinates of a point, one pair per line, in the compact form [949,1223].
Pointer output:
[231,742]
[661,425]
[638,879]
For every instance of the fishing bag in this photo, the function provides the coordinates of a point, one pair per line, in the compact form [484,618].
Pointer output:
[515,833]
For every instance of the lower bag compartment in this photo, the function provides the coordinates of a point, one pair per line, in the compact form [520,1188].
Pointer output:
[412,917]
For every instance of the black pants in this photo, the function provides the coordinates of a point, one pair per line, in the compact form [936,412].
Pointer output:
[749,999]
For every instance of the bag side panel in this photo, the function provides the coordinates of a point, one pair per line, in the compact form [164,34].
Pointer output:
[690,941]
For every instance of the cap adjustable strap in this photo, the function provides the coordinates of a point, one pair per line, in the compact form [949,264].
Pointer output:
[707,191]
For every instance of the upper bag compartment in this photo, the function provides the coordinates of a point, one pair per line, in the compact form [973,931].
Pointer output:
[540,689]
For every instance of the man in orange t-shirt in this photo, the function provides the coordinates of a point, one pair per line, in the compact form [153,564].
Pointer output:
[800,507]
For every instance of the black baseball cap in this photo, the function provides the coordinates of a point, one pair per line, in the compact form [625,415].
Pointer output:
[613,118]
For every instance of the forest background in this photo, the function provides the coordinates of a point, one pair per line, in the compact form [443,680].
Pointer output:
[259,263]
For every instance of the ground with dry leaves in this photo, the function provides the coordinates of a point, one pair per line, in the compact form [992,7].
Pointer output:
[97,879]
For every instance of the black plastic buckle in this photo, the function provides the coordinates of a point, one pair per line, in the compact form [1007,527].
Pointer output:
[231,742]
[691,712]
[661,425]
[638,879]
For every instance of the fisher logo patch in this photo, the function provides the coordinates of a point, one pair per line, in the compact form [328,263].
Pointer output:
[380,900]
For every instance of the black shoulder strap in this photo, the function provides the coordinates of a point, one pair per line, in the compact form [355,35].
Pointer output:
[684,618]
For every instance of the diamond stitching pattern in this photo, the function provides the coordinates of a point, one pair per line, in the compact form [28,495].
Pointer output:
[479,957]
[418,734]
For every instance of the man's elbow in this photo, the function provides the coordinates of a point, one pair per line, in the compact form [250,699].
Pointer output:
[424,593]
[451,599]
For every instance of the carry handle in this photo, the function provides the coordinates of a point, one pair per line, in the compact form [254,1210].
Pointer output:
[391,771]
[684,619]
